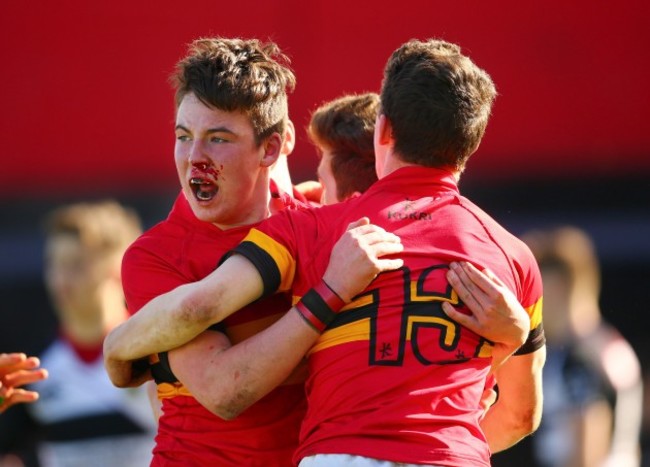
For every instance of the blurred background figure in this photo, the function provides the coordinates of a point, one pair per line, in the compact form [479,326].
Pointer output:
[593,391]
[80,418]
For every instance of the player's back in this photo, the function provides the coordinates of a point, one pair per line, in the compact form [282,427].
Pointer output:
[392,365]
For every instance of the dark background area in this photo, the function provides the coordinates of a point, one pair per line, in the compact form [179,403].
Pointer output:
[88,113]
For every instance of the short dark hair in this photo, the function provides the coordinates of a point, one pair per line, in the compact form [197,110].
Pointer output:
[437,101]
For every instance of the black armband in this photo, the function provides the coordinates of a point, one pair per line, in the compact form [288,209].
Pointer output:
[535,341]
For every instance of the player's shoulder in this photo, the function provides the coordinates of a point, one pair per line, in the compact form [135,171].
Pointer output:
[159,240]
[310,215]
[515,250]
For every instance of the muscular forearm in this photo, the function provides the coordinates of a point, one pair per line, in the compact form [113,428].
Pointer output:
[504,428]
[227,380]
[175,318]
[518,410]
[160,325]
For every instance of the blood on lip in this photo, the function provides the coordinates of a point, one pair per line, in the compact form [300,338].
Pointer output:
[205,171]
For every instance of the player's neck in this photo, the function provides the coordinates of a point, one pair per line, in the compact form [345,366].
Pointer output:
[392,163]
[280,174]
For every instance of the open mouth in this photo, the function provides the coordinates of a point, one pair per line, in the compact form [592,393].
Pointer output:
[203,189]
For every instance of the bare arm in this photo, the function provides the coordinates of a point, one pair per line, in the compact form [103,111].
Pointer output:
[227,380]
[174,318]
[518,410]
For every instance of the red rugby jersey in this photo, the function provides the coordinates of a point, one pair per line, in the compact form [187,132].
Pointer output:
[393,377]
[183,249]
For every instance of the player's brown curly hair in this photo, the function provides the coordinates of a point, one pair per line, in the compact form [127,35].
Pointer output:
[243,75]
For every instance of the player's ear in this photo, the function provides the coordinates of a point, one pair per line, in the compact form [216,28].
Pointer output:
[384,129]
[289,138]
[272,147]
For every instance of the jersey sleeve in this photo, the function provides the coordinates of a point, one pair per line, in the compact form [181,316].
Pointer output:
[536,339]
[145,276]
[274,248]
[273,261]
[532,301]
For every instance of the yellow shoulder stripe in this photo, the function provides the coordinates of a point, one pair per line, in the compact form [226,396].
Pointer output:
[281,256]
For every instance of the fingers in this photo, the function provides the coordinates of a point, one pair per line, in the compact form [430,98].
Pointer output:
[359,255]
[485,280]
[371,234]
[10,362]
[477,289]
[389,264]
[18,396]
[381,243]
[463,286]
[22,377]
[18,370]
[29,363]
[488,273]
[14,362]
[358,223]
[11,358]
[22,395]
[496,314]
[384,248]
[471,277]
[469,321]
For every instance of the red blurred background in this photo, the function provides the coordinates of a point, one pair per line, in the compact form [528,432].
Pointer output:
[87,105]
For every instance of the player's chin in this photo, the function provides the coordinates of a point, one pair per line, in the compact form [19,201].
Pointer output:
[202,207]
[205,211]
